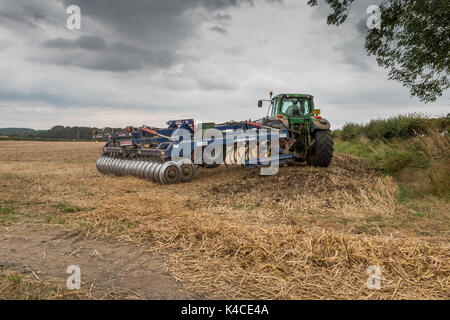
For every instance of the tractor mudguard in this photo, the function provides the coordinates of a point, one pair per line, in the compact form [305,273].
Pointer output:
[319,124]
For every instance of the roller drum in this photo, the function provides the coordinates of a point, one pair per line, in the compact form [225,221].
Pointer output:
[149,171]
[122,167]
[97,163]
[131,168]
[126,169]
[118,167]
[169,173]
[142,170]
[187,169]
[108,165]
[138,168]
[100,163]
[111,165]
[114,166]
[156,169]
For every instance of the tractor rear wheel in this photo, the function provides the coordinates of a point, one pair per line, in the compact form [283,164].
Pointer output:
[322,150]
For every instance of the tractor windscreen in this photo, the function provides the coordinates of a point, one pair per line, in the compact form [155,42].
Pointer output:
[294,106]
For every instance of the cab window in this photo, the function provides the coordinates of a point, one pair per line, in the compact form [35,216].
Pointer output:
[274,106]
[294,106]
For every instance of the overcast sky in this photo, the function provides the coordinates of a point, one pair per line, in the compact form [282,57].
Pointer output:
[140,62]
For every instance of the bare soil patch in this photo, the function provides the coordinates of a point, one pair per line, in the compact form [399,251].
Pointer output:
[108,269]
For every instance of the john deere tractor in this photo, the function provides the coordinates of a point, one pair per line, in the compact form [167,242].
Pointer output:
[310,134]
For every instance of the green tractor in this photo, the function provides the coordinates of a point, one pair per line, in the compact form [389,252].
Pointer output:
[310,134]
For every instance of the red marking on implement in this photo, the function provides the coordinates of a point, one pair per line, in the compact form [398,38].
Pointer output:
[153,132]
[253,124]
[126,143]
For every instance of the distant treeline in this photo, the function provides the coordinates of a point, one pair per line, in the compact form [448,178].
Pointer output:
[55,133]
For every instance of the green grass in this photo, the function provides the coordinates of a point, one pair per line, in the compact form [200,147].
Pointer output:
[405,147]
[66,208]
[8,215]
[355,149]
[63,208]
[52,218]
[407,194]
[389,158]
[15,278]
[398,127]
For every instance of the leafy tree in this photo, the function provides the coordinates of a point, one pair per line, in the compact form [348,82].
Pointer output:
[413,42]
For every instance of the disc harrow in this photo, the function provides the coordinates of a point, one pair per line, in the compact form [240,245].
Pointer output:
[148,153]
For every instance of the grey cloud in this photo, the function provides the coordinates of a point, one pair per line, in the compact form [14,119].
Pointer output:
[59,43]
[17,18]
[149,32]
[352,50]
[220,16]
[210,83]
[234,50]
[92,52]
[157,20]
[91,42]
[108,61]
[173,64]
[219,29]
[19,14]
[83,42]
[361,27]
[153,30]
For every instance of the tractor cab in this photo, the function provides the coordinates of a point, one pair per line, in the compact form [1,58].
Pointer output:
[293,107]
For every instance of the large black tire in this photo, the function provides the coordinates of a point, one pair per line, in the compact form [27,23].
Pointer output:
[322,149]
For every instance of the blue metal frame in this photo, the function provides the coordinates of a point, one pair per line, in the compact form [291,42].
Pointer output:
[132,143]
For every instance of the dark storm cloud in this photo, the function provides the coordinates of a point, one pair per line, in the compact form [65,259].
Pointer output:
[154,19]
[90,42]
[145,33]
[148,32]
[92,52]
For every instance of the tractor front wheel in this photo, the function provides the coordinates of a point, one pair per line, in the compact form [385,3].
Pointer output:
[321,151]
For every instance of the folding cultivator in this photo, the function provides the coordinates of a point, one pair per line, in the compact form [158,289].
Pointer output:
[294,131]
[168,155]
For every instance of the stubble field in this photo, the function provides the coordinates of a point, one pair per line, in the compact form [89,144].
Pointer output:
[305,233]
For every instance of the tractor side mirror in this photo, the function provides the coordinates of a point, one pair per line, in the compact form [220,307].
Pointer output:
[260,103]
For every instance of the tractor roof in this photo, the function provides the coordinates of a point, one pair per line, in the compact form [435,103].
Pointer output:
[300,95]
